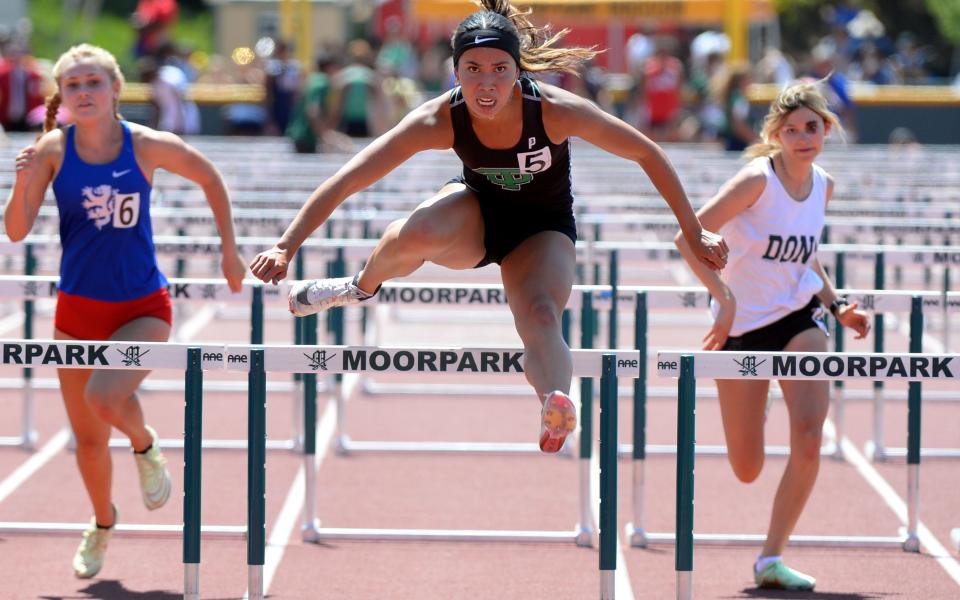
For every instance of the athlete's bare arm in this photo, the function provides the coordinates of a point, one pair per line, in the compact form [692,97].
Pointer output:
[162,150]
[426,127]
[36,166]
[565,115]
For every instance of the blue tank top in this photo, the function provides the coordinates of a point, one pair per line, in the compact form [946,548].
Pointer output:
[105,229]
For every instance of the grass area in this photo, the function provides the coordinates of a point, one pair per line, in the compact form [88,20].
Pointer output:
[51,38]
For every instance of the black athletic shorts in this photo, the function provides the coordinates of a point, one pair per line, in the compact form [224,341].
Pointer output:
[775,336]
[506,228]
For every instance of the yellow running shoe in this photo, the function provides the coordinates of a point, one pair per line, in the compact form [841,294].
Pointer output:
[779,576]
[154,478]
[89,557]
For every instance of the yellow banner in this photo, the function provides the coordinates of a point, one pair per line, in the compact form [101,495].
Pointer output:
[685,12]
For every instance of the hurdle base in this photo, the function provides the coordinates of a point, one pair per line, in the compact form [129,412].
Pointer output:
[875,452]
[911,542]
[345,446]
[955,538]
[123,529]
[27,442]
[637,536]
[888,453]
[172,443]
[586,536]
[812,541]
[310,532]
[626,450]
[445,535]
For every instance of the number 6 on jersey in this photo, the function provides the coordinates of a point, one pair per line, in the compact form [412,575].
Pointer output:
[126,213]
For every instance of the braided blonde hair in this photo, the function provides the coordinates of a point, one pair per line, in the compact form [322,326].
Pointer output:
[81,53]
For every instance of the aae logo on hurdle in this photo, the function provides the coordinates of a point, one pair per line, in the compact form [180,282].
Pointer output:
[817,365]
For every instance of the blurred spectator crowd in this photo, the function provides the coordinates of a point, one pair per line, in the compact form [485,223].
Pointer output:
[677,86]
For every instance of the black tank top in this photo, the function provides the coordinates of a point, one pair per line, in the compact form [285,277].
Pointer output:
[533,176]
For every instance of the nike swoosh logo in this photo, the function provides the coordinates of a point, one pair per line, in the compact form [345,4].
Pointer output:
[480,40]
[120,173]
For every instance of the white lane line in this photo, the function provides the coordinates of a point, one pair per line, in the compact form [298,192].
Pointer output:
[195,323]
[293,505]
[33,464]
[937,551]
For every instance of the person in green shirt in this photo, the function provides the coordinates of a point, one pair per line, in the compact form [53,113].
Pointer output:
[311,118]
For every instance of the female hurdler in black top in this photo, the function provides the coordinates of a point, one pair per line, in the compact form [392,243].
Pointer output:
[512,204]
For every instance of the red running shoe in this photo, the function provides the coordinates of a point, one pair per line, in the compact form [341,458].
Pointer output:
[558,419]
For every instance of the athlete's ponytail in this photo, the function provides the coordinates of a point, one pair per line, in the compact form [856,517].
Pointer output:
[537,51]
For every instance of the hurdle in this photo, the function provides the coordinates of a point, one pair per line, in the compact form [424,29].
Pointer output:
[687,366]
[489,361]
[635,530]
[181,290]
[140,356]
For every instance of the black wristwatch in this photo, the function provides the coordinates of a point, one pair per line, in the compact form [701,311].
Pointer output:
[836,304]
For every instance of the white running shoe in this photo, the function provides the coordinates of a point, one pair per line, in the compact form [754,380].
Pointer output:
[309,297]
[154,478]
[88,560]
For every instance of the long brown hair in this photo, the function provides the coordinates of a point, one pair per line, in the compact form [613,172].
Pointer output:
[80,53]
[538,51]
[800,94]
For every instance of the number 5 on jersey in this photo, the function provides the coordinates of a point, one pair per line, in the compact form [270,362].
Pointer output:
[534,162]
[126,212]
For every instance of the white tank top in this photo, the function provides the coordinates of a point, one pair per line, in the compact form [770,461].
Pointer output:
[772,245]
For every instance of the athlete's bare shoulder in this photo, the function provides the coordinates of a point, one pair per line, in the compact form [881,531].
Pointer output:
[563,111]
[50,149]
[147,138]
[51,143]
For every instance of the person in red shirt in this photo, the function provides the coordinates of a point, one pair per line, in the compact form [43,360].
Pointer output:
[659,91]
[21,88]
[152,19]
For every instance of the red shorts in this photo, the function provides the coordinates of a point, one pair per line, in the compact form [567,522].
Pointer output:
[88,319]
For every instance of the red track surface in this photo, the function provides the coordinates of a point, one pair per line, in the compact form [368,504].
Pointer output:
[469,491]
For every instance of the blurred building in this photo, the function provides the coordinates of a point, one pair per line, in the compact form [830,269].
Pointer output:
[308,24]
[606,23]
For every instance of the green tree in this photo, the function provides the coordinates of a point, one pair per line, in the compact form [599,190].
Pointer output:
[946,13]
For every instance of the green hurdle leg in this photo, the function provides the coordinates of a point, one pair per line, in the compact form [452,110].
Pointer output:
[28,436]
[256,315]
[256,472]
[612,323]
[839,419]
[912,543]
[635,531]
[585,528]
[310,522]
[608,477]
[193,436]
[876,448]
[686,426]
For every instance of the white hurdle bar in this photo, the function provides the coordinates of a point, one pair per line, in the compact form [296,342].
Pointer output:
[486,361]
[913,368]
[181,290]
